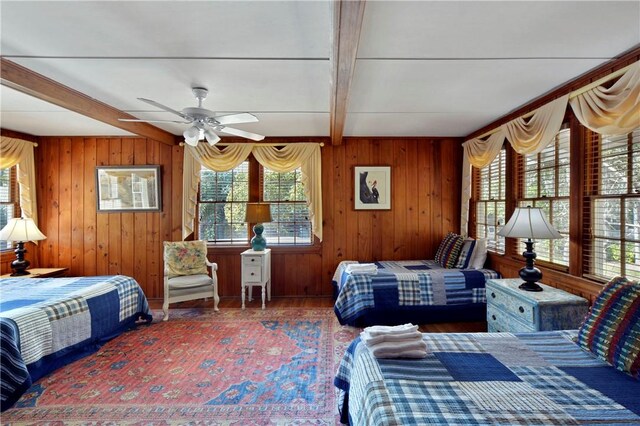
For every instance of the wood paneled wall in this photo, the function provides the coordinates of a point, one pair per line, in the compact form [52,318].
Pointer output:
[425,204]
[92,243]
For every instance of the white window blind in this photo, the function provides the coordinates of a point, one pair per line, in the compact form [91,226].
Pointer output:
[490,202]
[612,206]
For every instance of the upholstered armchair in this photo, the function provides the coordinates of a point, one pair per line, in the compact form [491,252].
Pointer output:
[188,274]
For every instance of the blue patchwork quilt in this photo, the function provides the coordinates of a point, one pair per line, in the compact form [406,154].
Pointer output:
[408,284]
[46,323]
[539,378]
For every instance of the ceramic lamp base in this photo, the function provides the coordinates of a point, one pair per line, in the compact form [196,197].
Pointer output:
[258,242]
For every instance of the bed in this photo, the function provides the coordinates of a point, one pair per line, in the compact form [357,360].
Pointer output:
[487,379]
[418,291]
[50,322]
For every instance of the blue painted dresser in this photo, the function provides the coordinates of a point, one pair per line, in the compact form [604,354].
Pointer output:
[510,309]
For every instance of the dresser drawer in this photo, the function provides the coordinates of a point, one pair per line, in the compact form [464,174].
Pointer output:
[252,261]
[252,274]
[519,308]
[500,321]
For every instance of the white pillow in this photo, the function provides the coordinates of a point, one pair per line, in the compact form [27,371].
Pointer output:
[479,254]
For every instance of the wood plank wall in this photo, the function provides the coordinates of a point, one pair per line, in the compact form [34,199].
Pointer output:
[425,205]
[92,243]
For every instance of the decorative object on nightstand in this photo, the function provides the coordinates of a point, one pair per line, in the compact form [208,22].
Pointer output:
[256,271]
[513,310]
[529,222]
[258,213]
[20,230]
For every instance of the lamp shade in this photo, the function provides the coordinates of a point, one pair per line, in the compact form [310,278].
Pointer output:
[21,229]
[529,222]
[258,213]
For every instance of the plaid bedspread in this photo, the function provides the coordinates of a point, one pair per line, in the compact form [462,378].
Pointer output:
[539,378]
[406,283]
[47,321]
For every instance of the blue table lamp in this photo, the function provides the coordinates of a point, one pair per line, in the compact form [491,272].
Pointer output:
[258,213]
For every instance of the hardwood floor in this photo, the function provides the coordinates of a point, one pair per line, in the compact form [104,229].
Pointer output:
[315,302]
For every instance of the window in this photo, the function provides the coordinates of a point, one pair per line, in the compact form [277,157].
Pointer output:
[490,202]
[612,206]
[9,200]
[222,205]
[544,182]
[289,211]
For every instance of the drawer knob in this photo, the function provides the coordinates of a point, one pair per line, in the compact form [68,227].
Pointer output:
[252,274]
[521,309]
[253,260]
[493,317]
[493,295]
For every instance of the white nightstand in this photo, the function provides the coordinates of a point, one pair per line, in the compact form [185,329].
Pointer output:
[256,271]
[513,310]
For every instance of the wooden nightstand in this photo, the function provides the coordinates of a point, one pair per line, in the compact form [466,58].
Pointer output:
[513,310]
[42,273]
[256,271]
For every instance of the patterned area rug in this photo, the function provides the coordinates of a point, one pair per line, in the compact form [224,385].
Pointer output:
[234,367]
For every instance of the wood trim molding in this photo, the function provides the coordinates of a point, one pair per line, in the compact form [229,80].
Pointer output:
[347,23]
[621,61]
[19,135]
[31,83]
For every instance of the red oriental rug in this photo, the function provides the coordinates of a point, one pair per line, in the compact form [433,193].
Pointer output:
[235,367]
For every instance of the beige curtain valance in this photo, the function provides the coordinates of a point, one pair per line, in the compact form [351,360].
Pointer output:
[614,110]
[20,152]
[288,158]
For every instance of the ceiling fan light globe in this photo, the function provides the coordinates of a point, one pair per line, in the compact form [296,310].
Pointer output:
[212,138]
[192,135]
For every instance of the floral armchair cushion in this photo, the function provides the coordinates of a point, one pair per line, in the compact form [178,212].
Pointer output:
[185,258]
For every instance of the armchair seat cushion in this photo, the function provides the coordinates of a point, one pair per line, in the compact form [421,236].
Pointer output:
[189,281]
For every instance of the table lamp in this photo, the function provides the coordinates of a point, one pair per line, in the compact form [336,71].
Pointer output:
[529,222]
[258,213]
[20,230]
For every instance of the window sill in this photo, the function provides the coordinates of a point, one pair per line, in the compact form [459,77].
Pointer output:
[276,249]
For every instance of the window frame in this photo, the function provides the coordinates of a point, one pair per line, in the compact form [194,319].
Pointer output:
[256,185]
[14,200]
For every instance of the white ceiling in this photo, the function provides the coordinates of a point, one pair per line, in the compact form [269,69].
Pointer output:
[423,68]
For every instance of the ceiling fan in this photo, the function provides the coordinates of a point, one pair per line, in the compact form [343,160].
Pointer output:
[204,122]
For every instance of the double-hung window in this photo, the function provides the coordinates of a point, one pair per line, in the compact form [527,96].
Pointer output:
[223,199]
[9,199]
[612,206]
[544,182]
[490,202]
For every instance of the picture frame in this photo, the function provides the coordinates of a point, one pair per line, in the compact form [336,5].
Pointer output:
[372,187]
[128,189]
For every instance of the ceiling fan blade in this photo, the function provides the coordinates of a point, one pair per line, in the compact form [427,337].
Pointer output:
[166,108]
[242,133]
[135,120]
[243,117]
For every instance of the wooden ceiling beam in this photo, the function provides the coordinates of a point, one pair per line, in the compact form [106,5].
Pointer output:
[31,83]
[347,23]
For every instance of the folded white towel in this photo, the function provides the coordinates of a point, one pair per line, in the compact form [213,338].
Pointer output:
[361,268]
[377,330]
[408,336]
[412,349]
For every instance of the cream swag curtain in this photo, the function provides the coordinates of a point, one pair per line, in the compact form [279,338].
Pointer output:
[526,136]
[20,152]
[291,156]
[612,111]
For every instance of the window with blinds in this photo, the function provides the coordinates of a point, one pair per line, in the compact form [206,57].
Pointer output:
[222,205]
[290,214]
[543,181]
[490,202]
[612,206]
[9,200]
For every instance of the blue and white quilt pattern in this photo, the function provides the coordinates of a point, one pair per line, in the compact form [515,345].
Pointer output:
[44,320]
[406,283]
[539,378]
